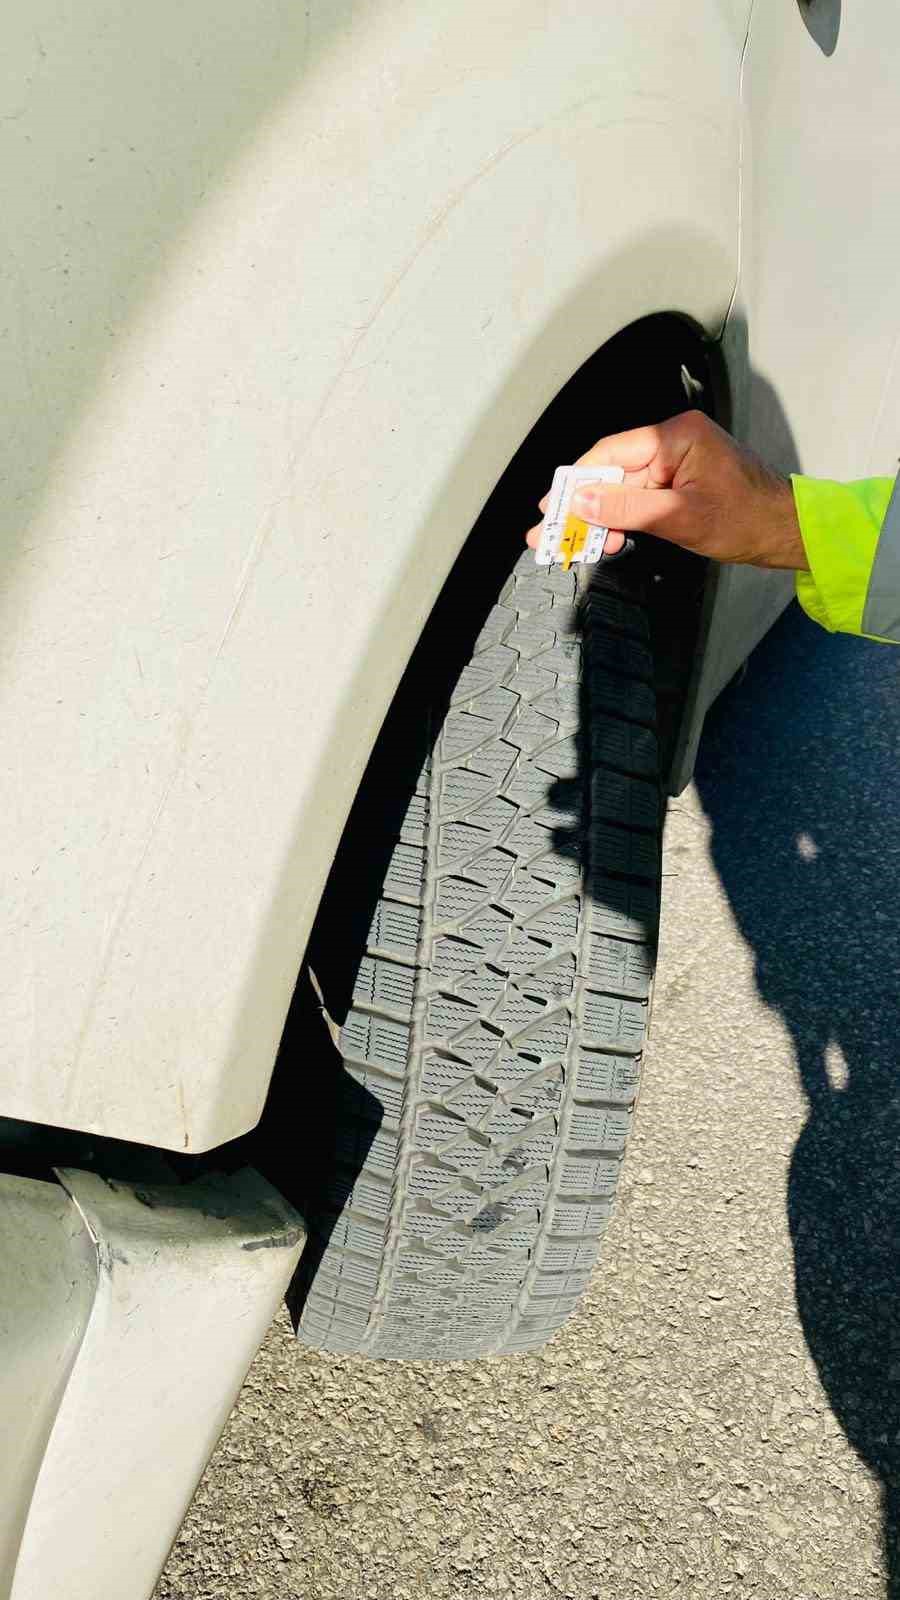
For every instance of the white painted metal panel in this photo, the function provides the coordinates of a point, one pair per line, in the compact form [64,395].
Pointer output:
[289,285]
[813,338]
[48,1282]
[170,1291]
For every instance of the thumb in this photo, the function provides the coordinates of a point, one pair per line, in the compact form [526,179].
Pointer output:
[659,511]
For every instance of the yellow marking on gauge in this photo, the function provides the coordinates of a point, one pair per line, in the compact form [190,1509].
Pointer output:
[573,541]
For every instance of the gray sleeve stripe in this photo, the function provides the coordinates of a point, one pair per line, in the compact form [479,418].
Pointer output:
[881,613]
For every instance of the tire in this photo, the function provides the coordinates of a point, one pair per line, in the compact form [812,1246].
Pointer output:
[491,1046]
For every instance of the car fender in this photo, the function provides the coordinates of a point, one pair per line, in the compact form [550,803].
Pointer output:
[236,501]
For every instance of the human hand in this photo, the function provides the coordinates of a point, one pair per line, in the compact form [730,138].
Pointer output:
[688,481]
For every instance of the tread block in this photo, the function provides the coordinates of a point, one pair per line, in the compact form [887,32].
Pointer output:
[610,1020]
[436,1129]
[456,896]
[446,1015]
[625,746]
[461,789]
[441,1074]
[501,619]
[377,1039]
[462,735]
[534,636]
[561,760]
[385,1093]
[579,1218]
[618,797]
[415,823]
[598,1128]
[545,1045]
[611,612]
[353,1233]
[472,1100]
[530,786]
[482,986]
[531,730]
[559,1255]
[613,653]
[384,983]
[557,925]
[457,841]
[395,927]
[491,869]
[555,1289]
[605,1077]
[528,892]
[406,872]
[593,1175]
[429,1178]
[324,1310]
[488,928]
[479,1047]
[522,953]
[493,760]
[625,697]
[359,1144]
[529,839]
[451,957]
[627,910]
[620,850]
[562,703]
[486,669]
[539,1098]
[358,1190]
[620,965]
[553,982]
[535,591]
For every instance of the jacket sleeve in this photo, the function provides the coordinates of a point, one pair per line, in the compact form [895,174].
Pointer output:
[851,535]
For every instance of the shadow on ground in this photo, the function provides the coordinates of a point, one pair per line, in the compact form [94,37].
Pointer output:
[799,773]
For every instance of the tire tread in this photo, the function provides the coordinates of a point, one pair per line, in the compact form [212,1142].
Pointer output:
[500,1008]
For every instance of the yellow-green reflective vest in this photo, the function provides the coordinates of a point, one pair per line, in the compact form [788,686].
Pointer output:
[851,535]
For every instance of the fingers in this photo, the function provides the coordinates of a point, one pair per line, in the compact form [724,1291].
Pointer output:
[659,511]
[655,460]
[652,457]
[615,540]
[633,451]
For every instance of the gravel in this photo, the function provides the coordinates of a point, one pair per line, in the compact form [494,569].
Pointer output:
[722,1417]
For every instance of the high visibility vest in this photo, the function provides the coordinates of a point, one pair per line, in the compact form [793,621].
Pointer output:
[851,535]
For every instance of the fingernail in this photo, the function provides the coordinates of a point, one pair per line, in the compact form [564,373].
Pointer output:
[583,502]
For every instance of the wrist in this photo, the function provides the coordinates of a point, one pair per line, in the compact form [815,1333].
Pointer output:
[784,547]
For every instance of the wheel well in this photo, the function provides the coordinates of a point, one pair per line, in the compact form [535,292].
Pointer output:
[647,372]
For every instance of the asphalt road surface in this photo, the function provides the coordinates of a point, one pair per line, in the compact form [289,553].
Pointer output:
[723,1416]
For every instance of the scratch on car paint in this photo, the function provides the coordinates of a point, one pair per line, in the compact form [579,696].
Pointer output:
[182,1107]
[115,924]
[275,1241]
[431,228]
[740,196]
[108,1254]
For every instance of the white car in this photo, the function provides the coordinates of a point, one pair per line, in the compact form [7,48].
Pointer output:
[302,305]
